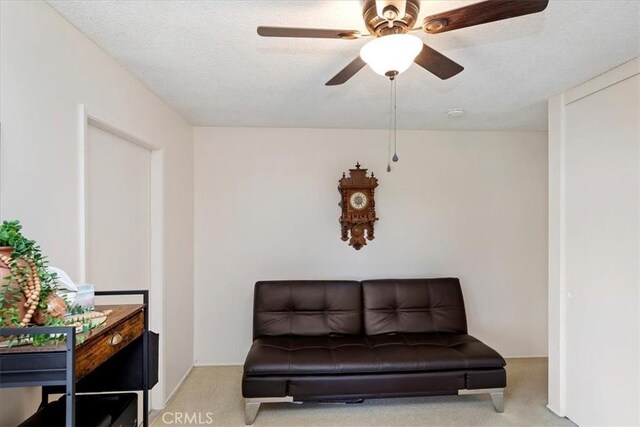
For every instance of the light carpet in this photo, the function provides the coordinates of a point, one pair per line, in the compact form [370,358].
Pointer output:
[212,396]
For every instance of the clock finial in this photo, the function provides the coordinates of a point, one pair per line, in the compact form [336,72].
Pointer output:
[344,175]
[358,165]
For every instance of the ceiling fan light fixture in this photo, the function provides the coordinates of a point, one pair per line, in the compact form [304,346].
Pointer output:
[391,55]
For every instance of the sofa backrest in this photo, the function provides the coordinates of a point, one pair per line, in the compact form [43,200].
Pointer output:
[413,306]
[307,307]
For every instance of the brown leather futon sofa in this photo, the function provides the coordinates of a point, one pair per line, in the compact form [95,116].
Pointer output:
[348,340]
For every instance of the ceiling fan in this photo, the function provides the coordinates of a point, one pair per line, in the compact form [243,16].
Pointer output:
[393,49]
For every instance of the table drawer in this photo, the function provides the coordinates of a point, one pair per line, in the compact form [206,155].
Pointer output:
[94,353]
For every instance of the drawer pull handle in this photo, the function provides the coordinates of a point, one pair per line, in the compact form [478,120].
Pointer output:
[116,339]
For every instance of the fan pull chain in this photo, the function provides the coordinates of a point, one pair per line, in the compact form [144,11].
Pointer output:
[395,120]
[390,127]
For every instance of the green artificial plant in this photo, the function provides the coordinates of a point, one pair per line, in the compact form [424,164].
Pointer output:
[26,249]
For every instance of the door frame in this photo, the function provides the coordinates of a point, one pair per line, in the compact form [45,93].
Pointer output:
[90,117]
[557,227]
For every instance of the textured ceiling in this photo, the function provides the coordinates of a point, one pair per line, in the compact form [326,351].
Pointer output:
[206,60]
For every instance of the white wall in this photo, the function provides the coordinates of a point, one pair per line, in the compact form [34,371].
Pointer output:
[465,204]
[594,249]
[48,68]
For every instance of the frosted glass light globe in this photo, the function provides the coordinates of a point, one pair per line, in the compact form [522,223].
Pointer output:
[392,53]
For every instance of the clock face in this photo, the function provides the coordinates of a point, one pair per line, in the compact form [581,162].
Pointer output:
[358,200]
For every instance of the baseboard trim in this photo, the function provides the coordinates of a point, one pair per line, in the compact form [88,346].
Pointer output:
[527,357]
[199,365]
[175,389]
[556,411]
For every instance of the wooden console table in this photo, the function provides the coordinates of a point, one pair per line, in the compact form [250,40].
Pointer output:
[83,365]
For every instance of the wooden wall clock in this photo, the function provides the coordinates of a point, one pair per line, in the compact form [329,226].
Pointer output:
[358,206]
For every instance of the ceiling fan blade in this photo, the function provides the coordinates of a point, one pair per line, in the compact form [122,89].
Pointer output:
[314,33]
[436,63]
[347,72]
[481,13]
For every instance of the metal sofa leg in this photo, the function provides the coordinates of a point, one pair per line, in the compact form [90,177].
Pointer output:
[498,400]
[497,396]
[250,411]
[252,406]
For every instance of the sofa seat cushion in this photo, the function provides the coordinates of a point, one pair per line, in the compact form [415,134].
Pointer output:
[350,354]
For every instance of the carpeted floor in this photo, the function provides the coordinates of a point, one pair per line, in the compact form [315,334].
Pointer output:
[211,396]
